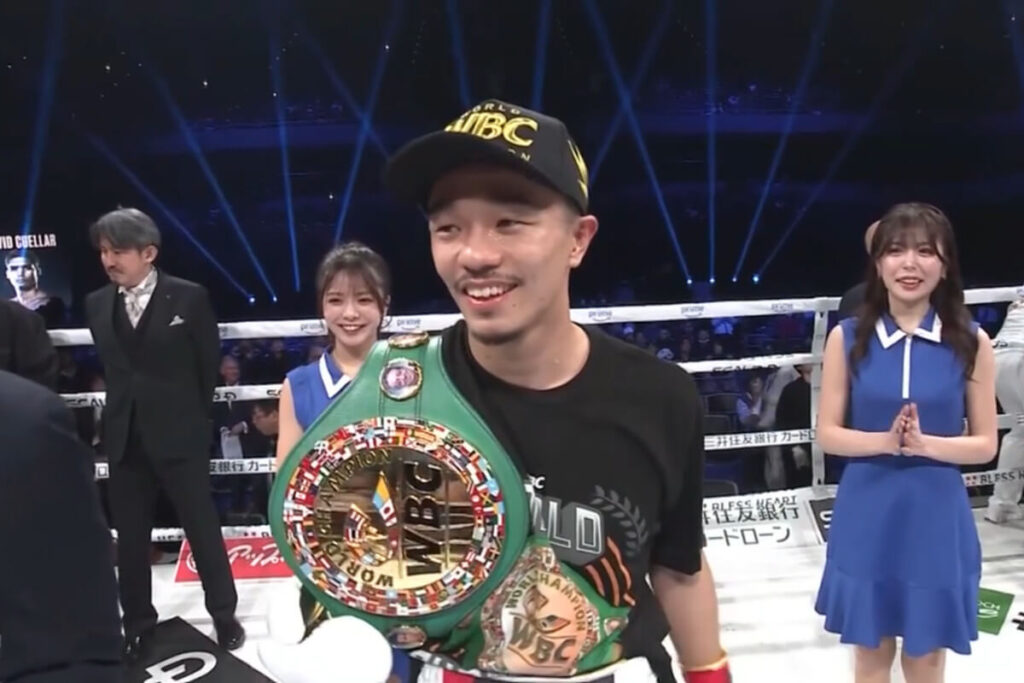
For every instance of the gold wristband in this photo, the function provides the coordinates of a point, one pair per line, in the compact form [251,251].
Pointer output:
[718,664]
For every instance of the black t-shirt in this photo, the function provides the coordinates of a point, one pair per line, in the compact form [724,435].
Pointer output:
[793,411]
[620,444]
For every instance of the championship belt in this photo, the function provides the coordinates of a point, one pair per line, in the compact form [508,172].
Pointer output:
[398,505]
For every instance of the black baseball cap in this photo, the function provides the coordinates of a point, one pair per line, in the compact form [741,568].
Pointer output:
[497,132]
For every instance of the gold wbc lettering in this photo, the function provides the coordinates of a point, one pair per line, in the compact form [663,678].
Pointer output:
[527,640]
[495,106]
[366,575]
[423,477]
[423,511]
[363,459]
[418,550]
[510,131]
[323,523]
[490,125]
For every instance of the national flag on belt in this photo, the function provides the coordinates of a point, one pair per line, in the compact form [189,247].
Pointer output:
[355,525]
[423,435]
[382,501]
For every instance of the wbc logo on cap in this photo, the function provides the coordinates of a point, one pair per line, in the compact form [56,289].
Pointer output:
[491,121]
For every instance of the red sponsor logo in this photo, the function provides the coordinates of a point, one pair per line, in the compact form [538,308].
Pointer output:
[250,558]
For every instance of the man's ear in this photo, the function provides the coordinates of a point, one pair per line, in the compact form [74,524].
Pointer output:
[583,230]
[149,253]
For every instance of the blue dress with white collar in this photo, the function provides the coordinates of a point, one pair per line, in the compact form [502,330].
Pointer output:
[903,556]
[314,386]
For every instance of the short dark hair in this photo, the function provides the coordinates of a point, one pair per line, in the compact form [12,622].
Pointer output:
[266,406]
[30,256]
[125,229]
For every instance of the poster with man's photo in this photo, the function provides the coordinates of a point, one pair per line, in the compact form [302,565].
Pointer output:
[36,275]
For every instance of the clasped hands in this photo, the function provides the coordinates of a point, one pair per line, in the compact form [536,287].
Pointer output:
[905,437]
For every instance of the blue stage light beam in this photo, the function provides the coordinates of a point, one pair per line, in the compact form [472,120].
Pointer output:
[462,75]
[277,81]
[1011,10]
[643,66]
[810,63]
[627,107]
[711,74]
[371,106]
[892,81]
[110,156]
[54,46]
[540,58]
[197,152]
[163,90]
[339,84]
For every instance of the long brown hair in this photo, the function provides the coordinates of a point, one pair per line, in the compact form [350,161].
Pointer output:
[354,258]
[948,297]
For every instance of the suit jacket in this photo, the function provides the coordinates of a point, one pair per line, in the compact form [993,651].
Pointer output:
[25,347]
[59,618]
[160,374]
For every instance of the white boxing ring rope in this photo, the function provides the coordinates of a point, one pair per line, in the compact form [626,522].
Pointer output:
[820,307]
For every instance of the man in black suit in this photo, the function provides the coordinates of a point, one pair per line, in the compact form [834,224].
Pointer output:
[854,296]
[58,593]
[157,338]
[25,347]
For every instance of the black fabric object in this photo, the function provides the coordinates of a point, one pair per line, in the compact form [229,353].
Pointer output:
[176,644]
[135,482]
[58,593]
[793,410]
[25,347]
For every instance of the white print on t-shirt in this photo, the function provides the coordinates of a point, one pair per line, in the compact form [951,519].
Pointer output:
[579,536]
[534,485]
[575,531]
[628,515]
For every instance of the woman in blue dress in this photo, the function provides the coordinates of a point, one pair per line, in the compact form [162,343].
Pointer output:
[353,285]
[903,556]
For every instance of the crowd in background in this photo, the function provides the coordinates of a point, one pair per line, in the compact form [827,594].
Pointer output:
[777,398]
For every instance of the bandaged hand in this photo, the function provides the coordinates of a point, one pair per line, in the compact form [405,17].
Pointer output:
[365,652]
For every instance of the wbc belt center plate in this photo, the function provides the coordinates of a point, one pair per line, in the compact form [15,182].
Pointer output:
[394,517]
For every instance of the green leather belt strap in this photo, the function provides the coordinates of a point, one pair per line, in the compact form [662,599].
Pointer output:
[399,506]
[402,439]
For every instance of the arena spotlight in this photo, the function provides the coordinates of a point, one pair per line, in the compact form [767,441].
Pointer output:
[54,46]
